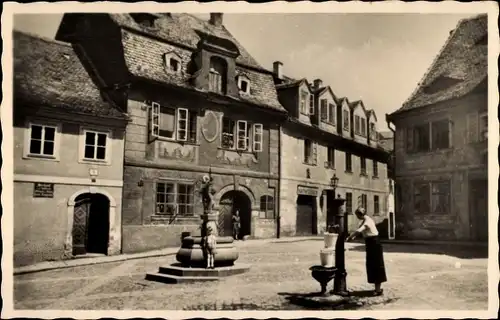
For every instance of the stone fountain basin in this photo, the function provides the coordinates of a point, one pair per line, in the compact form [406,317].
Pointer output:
[191,253]
[323,275]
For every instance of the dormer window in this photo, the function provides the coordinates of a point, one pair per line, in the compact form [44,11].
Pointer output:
[244,84]
[345,120]
[311,104]
[217,75]
[363,127]
[304,99]
[172,62]
[373,131]
[146,20]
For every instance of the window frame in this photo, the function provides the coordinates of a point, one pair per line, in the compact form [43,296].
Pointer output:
[251,133]
[346,124]
[213,75]
[264,211]
[428,185]
[357,124]
[241,79]
[375,168]
[332,108]
[330,157]
[348,202]
[312,158]
[155,109]
[348,162]
[311,104]
[27,139]
[82,138]
[323,112]
[413,146]
[167,57]
[303,101]
[376,204]
[176,195]
[482,131]
[362,166]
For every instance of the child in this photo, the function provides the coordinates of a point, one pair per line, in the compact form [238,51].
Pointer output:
[210,247]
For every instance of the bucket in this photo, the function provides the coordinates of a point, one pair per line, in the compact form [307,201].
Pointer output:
[329,239]
[326,256]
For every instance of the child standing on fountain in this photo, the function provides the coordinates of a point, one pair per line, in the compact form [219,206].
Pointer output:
[210,247]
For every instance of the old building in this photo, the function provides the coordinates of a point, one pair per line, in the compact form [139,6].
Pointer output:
[68,156]
[198,103]
[441,142]
[323,136]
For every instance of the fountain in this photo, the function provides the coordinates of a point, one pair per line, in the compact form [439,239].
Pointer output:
[191,256]
[327,271]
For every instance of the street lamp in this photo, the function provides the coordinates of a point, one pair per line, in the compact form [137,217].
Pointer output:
[339,282]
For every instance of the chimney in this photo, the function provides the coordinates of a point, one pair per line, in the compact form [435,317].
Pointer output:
[317,83]
[278,69]
[216,19]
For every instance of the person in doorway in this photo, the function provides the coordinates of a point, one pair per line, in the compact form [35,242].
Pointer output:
[236,225]
[210,247]
[375,267]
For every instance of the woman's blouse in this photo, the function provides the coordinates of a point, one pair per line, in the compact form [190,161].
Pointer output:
[368,227]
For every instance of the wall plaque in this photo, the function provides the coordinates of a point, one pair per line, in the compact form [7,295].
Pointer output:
[43,190]
[307,191]
[210,126]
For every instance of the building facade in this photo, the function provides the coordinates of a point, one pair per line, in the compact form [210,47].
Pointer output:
[198,104]
[323,136]
[441,144]
[68,152]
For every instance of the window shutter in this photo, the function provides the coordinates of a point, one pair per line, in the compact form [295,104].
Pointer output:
[409,140]
[472,127]
[257,137]
[311,104]
[241,129]
[314,153]
[154,121]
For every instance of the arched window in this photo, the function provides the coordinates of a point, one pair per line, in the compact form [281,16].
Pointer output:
[267,207]
[217,76]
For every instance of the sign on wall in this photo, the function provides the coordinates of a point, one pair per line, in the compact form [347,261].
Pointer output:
[43,190]
[307,191]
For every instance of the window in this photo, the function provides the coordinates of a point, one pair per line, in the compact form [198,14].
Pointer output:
[173,124]
[330,163]
[172,62]
[432,197]
[311,104]
[440,135]
[373,132]
[375,168]
[236,135]
[174,65]
[174,198]
[304,96]
[376,205]
[348,202]
[420,138]
[363,165]
[363,127]
[331,113]
[267,207]
[357,125]
[42,140]
[346,120]
[95,145]
[217,75]
[310,152]
[348,162]
[324,110]
[244,84]
[364,202]
[483,127]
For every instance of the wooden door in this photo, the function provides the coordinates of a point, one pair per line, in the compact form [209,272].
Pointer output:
[225,219]
[478,198]
[305,216]
[80,226]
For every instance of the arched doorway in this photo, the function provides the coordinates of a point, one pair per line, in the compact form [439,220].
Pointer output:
[230,202]
[306,219]
[90,224]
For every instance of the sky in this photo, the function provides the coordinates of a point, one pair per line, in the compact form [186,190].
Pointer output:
[374,57]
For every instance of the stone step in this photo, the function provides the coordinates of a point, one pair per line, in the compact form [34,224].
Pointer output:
[169,278]
[202,272]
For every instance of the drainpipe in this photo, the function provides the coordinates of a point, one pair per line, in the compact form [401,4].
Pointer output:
[278,216]
[393,159]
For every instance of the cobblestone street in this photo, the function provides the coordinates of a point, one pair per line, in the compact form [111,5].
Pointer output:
[448,279]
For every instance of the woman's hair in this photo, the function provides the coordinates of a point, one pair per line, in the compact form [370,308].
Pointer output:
[360,211]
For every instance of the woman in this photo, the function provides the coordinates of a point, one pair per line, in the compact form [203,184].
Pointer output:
[375,268]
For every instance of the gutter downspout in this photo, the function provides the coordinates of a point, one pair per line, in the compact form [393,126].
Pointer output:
[278,216]
[393,159]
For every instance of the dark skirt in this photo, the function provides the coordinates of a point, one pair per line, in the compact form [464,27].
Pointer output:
[375,267]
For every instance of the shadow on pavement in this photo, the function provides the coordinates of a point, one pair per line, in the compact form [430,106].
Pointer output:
[461,252]
[317,301]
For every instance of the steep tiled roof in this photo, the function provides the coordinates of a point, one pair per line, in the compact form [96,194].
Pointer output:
[48,73]
[463,57]
[143,54]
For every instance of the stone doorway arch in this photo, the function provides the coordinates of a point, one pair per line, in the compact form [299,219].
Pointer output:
[230,202]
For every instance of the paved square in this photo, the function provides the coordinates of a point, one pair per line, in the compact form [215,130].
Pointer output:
[420,277]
